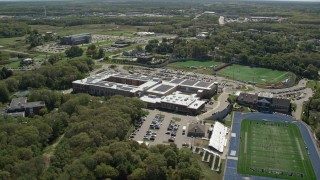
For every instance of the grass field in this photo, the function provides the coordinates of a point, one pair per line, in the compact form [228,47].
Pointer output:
[253,74]
[186,66]
[273,149]
[191,63]
[106,29]
[313,84]
[14,64]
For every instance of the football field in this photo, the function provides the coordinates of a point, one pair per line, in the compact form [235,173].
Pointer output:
[253,74]
[273,149]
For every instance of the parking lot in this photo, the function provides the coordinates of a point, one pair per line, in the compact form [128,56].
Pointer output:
[158,132]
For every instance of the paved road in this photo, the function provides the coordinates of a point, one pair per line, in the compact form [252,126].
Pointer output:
[231,164]
[219,105]
[297,114]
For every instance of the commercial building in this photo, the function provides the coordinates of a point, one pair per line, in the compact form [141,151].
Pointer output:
[76,39]
[20,107]
[265,102]
[178,95]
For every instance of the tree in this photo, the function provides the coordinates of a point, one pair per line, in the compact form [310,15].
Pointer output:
[139,48]
[12,84]
[91,50]
[4,93]
[156,166]
[35,39]
[55,58]
[100,54]
[311,72]
[74,51]
[190,173]
[137,174]
[106,171]
[318,133]
[171,157]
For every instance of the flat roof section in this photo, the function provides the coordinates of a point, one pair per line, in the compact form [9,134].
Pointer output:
[203,84]
[177,81]
[189,82]
[163,88]
[99,80]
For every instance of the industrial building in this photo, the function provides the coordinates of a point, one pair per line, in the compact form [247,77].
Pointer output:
[76,39]
[178,95]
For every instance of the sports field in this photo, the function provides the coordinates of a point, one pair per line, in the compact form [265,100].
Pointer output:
[273,149]
[253,74]
[192,63]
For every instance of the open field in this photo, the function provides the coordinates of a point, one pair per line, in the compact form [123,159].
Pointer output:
[273,149]
[202,67]
[192,63]
[253,74]
[105,29]
[313,84]
[14,64]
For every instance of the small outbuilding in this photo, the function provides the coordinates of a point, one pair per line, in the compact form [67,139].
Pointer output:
[196,130]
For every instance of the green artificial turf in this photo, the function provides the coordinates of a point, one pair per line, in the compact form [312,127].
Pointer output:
[253,74]
[273,149]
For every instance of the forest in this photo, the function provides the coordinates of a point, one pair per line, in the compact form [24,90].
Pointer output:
[8,29]
[92,145]
[56,76]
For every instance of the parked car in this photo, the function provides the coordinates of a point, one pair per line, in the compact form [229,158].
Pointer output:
[171,139]
[185,145]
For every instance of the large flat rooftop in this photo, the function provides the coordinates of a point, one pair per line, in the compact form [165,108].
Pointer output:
[101,80]
[176,98]
[192,83]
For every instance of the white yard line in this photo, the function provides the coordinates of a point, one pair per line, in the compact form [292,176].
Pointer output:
[245,142]
[299,147]
[279,76]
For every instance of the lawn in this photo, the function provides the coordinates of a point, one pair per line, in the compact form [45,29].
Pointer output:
[202,67]
[105,29]
[14,64]
[253,74]
[191,63]
[313,84]
[273,149]
[207,173]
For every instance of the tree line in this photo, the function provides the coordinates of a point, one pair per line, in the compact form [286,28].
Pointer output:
[311,113]
[55,76]
[13,29]
[94,145]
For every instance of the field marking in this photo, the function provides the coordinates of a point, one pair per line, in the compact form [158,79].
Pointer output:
[279,76]
[299,147]
[245,142]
